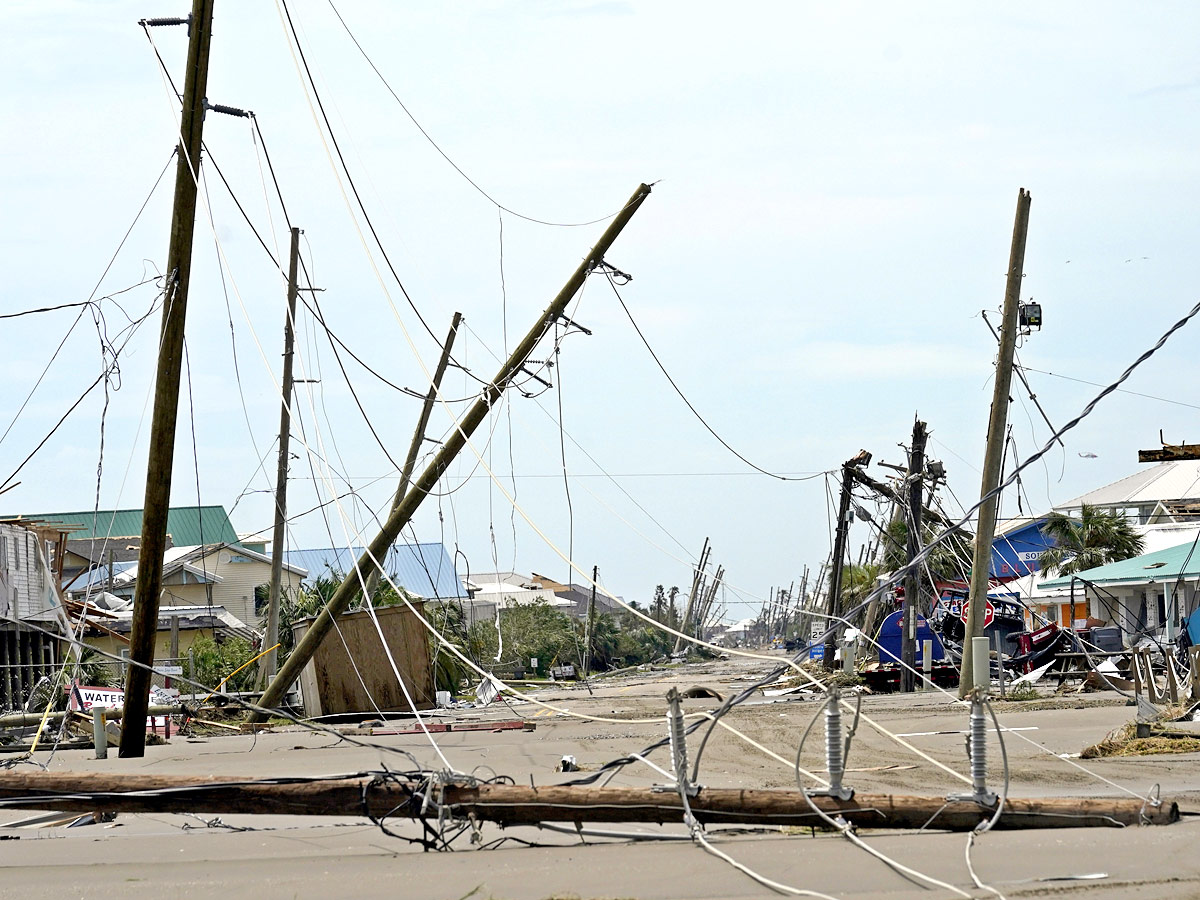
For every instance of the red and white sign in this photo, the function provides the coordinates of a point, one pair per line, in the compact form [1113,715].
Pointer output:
[84,698]
[989,612]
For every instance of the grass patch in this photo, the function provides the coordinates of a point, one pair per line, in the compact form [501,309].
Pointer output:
[1021,693]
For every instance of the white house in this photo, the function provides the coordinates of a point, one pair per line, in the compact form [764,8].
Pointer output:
[490,591]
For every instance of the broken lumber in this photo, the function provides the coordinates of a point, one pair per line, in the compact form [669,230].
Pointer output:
[384,794]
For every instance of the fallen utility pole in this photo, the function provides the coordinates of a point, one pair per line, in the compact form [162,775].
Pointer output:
[993,459]
[161,461]
[281,470]
[384,795]
[427,480]
[414,447]
[23,720]
[912,583]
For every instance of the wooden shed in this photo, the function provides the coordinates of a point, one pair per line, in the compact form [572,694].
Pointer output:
[330,684]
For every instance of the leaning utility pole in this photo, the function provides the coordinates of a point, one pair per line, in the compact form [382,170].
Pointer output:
[993,457]
[698,578]
[281,472]
[912,583]
[427,480]
[833,607]
[166,392]
[414,448]
[591,624]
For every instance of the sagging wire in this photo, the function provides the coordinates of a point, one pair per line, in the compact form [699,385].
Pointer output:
[111,354]
[499,206]
[612,274]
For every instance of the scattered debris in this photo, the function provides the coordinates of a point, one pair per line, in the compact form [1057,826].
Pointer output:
[699,691]
[443,727]
[1149,735]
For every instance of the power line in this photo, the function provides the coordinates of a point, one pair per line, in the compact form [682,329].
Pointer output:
[1120,390]
[349,178]
[108,371]
[610,475]
[609,275]
[500,206]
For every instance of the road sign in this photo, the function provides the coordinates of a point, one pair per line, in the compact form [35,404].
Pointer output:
[989,612]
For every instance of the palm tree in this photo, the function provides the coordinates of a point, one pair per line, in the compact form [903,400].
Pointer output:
[1095,538]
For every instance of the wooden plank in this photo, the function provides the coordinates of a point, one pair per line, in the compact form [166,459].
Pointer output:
[1170,452]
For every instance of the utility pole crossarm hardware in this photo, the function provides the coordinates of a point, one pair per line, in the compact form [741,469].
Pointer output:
[993,459]
[1169,453]
[403,512]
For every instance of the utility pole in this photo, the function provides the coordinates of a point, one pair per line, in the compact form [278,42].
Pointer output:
[166,391]
[912,583]
[403,512]
[706,612]
[414,448]
[591,623]
[833,607]
[982,559]
[281,472]
[698,578]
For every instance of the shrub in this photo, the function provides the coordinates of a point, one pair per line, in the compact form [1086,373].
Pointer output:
[213,660]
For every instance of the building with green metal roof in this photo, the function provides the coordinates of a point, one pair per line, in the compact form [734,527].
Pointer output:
[100,537]
[187,525]
[1145,595]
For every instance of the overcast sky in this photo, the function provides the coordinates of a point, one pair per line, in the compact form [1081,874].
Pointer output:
[833,207]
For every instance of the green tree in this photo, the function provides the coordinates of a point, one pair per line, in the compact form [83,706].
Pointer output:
[949,561]
[527,630]
[1095,538]
[857,582]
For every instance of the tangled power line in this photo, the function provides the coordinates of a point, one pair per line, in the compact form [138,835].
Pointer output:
[433,780]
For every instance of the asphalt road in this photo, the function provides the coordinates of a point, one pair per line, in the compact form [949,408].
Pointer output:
[167,855]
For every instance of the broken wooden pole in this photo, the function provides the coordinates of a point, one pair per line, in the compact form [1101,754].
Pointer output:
[386,795]
[22,720]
